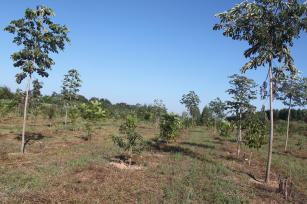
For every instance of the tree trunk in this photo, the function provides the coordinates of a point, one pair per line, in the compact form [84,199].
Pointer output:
[25,116]
[288,124]
[250,158]
[267,177]
[239,134]
[66,107]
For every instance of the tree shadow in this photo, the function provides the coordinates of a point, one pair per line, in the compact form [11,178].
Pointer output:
[164,147]
[31,137]
[198,145]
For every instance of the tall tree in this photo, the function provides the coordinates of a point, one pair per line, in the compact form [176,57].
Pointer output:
[242,91]
[269,27]
[158,109]
[217,107]
[39,37]
[191,101]
[292,91]
[70,88]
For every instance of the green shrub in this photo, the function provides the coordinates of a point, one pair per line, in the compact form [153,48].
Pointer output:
[170,125]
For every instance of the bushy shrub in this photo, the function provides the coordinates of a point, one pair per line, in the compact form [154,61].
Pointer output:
[170,125]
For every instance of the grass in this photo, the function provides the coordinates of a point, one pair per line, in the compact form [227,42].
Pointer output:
[201,167]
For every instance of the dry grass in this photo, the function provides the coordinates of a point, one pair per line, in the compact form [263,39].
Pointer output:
[61,167]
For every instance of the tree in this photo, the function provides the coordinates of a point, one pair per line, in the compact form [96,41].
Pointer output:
[242,91]
[217,108]
[39,37]
[292,91]
[70,88]
[254,133]
[158,108]
[206,114]
[191,102]
[36,96]
[169,126]
[91,113]
[133,142]
[269,27]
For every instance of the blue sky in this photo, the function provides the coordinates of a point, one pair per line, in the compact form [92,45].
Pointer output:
[134,51]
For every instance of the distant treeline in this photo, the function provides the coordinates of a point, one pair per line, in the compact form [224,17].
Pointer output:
[117,111]
[120,110]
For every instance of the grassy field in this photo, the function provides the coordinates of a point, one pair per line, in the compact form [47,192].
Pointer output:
[200,167]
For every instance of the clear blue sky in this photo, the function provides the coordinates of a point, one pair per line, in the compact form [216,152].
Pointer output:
[134,51]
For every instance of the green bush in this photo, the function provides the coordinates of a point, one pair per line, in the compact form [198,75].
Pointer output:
[170,125]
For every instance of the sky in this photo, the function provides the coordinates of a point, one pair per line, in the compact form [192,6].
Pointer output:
[135,51]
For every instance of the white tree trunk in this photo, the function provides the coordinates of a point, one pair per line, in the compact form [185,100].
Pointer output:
[25,116]
[66,107]
[288,124]
[267,177]
[239,134]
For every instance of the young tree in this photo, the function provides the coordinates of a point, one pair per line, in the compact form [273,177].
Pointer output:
[292,91]
[91,113]
[254,133]
[206,115]
[35,96]
[169,126]
[269,27]
[191,102]
[217,108]
[158,108]
[242,91]
[39,37]
[70,88]
[133,142]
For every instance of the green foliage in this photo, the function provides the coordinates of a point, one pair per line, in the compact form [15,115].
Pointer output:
[191,101]
[170,125]
[71,85]
[147,116]
[292,90]
[132,141]
[242,91]
[187,122]
[254,132]
[217,108]
[268,26]
[206,115]
[91,113]
[5,93]
[50,110]
[7,106]
[73,113]
[39,36]
[225,128]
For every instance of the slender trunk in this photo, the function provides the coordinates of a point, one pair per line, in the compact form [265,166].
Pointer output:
[250,158]
[214,125]
[239,134]
[66,107]
[130,156]
[288,124]
[267,177]
[25,116]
